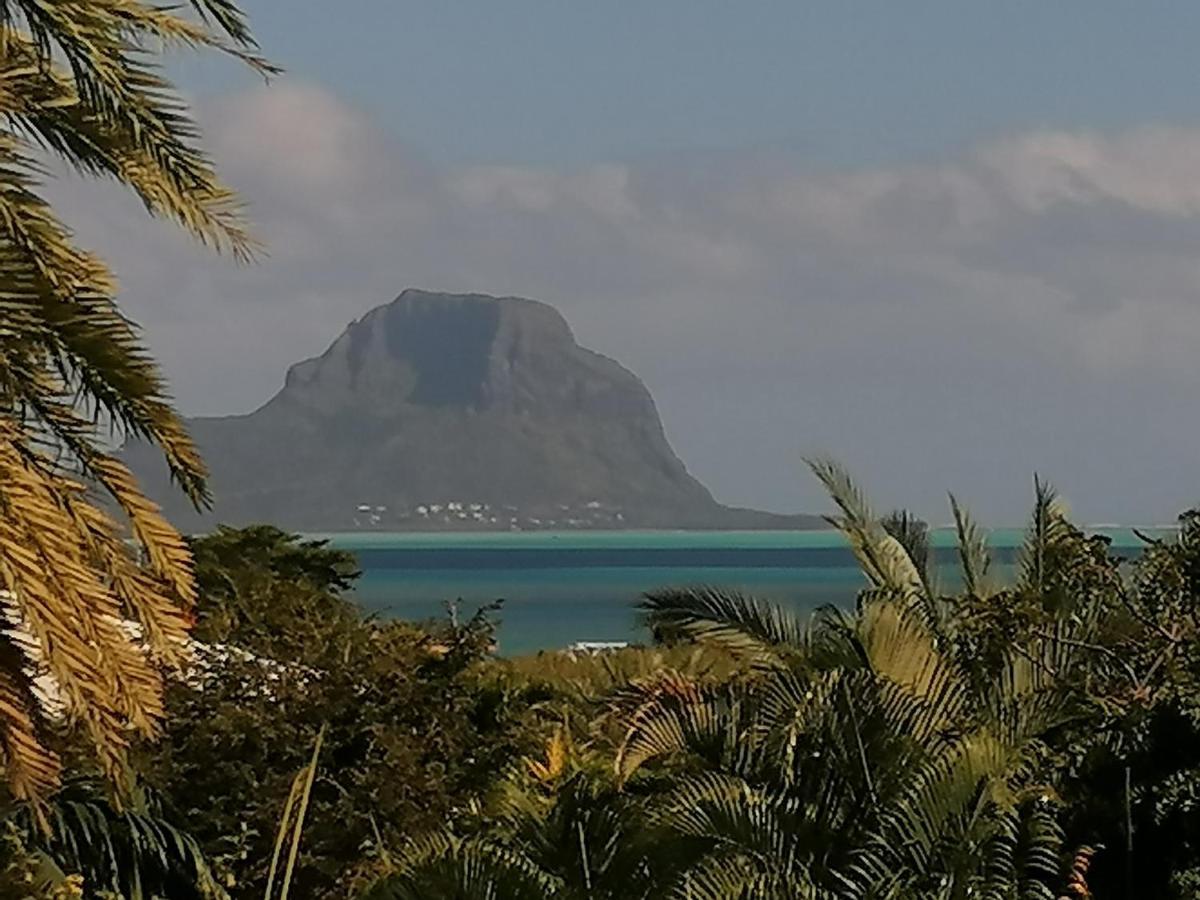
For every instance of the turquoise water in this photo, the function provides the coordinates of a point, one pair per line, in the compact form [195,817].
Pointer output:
[559,588]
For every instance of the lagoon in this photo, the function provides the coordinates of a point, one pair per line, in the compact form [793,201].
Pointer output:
[563,587]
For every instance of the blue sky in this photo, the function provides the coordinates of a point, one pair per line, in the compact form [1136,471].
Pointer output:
[841,83]
[951,243]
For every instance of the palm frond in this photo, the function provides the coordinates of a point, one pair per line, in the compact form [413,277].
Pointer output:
[80,83]
[913,535]
[444,865]
[102,45]
[668,715]
[973,554]
[1047,525]
[745,626]
[66,342]
[730,873]
[131,853]
[883,559]
[900,648]
[64,601]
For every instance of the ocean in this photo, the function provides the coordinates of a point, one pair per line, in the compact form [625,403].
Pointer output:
[559,588]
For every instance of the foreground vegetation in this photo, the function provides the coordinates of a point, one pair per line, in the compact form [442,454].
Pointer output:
[79,87]
[1033,739]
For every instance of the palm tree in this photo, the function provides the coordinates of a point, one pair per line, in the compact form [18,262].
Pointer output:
[132,853]
[79,84]
[584,847]
[883,753]
[901,750]
[554,829]
[872,754]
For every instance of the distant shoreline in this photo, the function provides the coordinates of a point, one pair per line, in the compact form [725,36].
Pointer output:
[1123,536]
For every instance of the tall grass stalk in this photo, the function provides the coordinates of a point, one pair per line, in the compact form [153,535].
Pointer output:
[292,821]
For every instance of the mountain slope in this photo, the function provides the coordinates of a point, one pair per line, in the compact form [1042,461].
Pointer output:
[451,411]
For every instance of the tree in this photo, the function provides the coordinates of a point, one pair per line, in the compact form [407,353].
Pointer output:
[414,731]
[871,754]
[1031,739]
[997,741]
[863,754]
[79,84]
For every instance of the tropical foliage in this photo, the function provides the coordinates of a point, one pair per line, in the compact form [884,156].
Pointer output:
[415,723]
[94,848]
[1025,728]
[1027,739]
[80,87]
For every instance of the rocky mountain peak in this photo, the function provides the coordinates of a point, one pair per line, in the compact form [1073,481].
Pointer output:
[449,410]
[433,350]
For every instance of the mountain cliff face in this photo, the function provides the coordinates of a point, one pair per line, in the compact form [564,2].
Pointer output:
[450,411]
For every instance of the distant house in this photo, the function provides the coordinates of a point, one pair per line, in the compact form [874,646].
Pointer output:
[597,646]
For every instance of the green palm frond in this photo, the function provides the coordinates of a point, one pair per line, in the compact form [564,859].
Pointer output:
[669,715]
[730,874]
[745,626]
[973,554]
[1047,526]
[884,560]
[900,648]
[66,344]
[452,868]
[132,853]
[597,843]
[748,831]
[880,769]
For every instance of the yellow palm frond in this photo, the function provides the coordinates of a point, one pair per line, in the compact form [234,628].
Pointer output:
[558,749]
[92,607]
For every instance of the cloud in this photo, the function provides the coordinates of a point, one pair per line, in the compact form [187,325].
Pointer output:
[1034,302]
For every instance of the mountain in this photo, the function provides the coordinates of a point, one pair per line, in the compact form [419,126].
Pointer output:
[450,411]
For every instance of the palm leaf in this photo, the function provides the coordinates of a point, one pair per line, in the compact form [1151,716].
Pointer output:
[743,625]
[445,866]
[80,82]
[669,715]
[132,853]
[972,552]
[1048,525]
[883,559]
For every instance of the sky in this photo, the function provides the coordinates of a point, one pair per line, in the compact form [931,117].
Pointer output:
[950,243]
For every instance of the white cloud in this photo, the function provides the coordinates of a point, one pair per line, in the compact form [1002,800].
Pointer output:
[1006,292]
[1153,169]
